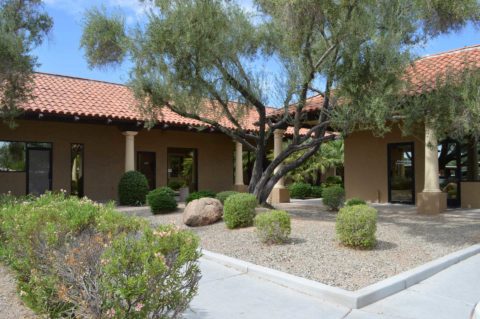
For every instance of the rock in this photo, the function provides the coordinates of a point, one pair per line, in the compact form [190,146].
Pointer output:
[203,211]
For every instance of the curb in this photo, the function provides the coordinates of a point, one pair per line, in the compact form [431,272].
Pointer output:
[352,299]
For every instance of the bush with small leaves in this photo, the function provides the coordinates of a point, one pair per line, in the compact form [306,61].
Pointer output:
[200,194]
[333,180]
[222,196]
[333,197]
[316,191]
[162,200]
[239,210]
[300,190]
[355,201]
[273,227]
[132,189]
[154,274]
[175,185]
[356,226]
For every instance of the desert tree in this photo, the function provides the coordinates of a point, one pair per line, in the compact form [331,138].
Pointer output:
[23,26]
[205,60]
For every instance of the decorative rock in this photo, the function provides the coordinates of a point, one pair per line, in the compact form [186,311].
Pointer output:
[203,211]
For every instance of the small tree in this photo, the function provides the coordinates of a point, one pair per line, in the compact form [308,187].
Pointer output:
[196,56]
[23,26]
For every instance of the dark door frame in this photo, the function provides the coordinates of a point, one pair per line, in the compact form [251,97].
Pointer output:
[82,193]
[455,203]
[154,166]
[27,168]
[389,169]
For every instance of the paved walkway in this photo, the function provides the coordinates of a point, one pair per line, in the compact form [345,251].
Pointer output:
[229,294]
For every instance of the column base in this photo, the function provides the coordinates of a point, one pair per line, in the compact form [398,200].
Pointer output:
[279,195]
[240,188]
[431,202]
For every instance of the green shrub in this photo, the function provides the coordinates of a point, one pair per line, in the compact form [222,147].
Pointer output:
[199,194]
[175,185]
[156,273]
[333,196]
[70,254]
[162,200]
[316,191]
[273,227]
[132,189]
[355,201]
[333,180]
[222,196]
[239,210]
[356,226]
[300,190]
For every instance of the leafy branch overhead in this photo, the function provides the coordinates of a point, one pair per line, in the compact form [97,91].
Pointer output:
[211,60]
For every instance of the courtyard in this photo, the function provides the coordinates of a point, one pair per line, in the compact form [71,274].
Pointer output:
[405,240]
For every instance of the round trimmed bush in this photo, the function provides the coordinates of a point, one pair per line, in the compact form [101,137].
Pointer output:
[333,197]
[132,189]
[299,190]
[222,196]
[355,201]
[199,194]
[239,210]
[316,191]
[333,180]
[356,226]
[161,200]
[175,185]
[273,227]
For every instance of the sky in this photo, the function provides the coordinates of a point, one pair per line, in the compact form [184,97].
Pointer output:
[61,53]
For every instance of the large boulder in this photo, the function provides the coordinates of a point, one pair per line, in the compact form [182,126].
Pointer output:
[203,211]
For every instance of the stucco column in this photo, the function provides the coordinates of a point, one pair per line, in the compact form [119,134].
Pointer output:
[129,150]
[239,186]
[279,193]
[431,200]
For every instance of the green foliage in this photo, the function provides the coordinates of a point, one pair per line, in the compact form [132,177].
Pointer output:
[132,189]
[355,201]
[356,226]
[79,259]
[333,197]
[239,210]
[333,180]
[161,200]
[273,227]
[316,191]
[199,194]
[154,275]
[23,26]
[300,190]
[175,185]
[222,196]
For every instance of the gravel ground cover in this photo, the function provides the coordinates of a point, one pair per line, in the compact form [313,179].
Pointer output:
[11,306]
[405,240]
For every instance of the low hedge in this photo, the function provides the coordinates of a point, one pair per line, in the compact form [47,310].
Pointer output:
[175,185]
[76,258]
[200,194]
[239,210]
[333,197]
[162,200]
[222,196]
[273,227]
[316,191]
[132,189]
[355,201]
[300,190]
[356,226]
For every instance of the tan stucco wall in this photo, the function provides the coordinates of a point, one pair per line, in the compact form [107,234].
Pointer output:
[104,151]
[366,164]
[470,194]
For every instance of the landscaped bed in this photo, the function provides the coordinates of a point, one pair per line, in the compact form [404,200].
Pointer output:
[405,240]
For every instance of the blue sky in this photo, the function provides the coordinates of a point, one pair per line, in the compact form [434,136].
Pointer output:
[61,53]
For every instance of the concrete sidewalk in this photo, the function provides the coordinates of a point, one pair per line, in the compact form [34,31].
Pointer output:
[226,293]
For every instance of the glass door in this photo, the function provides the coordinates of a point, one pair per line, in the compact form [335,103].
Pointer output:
[401,173]
[39,170]
[450,171]
[182,167]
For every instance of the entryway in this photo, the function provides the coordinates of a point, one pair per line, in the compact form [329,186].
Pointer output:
[39,170]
